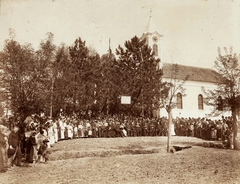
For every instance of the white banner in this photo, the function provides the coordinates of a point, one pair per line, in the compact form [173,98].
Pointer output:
[125,99]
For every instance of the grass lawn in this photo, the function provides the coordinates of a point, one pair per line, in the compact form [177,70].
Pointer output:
[132,160]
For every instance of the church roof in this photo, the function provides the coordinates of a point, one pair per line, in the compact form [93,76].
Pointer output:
[194,73]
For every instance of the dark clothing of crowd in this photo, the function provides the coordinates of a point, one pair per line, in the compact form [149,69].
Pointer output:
[36,136]
[132,127]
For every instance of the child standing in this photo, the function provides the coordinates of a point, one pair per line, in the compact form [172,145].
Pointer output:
[42,151]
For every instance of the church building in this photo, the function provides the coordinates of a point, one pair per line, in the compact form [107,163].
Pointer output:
[192,103]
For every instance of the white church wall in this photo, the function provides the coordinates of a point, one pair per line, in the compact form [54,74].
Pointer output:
[193,88]
[190,101]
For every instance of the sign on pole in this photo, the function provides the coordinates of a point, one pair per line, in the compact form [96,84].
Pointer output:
[125,99]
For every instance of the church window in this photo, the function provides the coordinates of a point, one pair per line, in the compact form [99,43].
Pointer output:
[155,49]
[200,102]
[179,101]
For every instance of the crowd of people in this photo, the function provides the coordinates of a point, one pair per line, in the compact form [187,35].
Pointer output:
[21,143]
[70,128]
[29,141]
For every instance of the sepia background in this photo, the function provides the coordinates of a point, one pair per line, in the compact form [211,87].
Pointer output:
[192,29]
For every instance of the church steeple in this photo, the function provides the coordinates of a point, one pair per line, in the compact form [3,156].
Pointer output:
[153,38]
[151,26]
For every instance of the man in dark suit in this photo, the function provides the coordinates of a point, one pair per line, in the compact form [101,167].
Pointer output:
[14,143]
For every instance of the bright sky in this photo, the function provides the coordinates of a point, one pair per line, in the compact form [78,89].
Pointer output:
[192,29]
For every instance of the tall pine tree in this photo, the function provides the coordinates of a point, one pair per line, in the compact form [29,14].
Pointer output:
[139,76]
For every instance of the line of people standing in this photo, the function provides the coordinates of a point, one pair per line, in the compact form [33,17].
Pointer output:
[69,128]
[31,143]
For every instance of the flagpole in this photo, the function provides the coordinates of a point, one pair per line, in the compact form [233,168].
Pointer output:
[109,57]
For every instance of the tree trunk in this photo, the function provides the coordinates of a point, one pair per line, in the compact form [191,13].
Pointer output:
[235,130]
[169,130]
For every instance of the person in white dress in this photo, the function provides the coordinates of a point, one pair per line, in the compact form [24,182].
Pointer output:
[55,131]
[50,134]
[88,129]
[80,129]
[172,129]
[75,131]
[70,130]
[62,128]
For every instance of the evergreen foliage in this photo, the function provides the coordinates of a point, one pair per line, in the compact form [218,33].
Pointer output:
[79,81]
[139,76]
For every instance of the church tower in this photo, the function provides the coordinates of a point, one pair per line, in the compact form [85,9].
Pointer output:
[153,39]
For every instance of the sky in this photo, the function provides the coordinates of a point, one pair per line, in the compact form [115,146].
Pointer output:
[193,29]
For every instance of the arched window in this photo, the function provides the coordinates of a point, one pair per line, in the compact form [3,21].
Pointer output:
[200,102]
[179,101]
[155,49]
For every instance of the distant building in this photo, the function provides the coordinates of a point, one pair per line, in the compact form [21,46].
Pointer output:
[192,104]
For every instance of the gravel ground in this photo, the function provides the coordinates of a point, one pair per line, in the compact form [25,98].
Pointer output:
[135,160]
